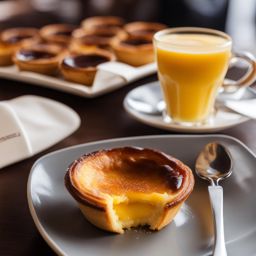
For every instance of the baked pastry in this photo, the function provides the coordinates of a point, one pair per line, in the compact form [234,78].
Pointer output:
[39,58]
[12,39]
[128,187]
[5,55]
[134,51]
[57,33]
[82,68]
[141,28]
[100,38]
[99,22]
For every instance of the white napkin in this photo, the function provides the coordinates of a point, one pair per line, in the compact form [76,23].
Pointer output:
[30,124]
[127,72]
[116,74]
[244,107]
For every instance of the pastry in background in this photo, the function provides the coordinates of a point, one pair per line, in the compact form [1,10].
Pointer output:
[135,51]
[40,58]
[12,39]
[82,68]
[101,38]
[99,22]
[128,187]
[141,28]
[57,33]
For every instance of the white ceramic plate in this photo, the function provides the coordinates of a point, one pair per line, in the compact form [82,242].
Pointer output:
[151,93]
[109,77]
[64,228]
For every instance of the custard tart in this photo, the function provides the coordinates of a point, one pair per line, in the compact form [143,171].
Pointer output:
[135,51]
[98,22]
[82,68]
[12,39]
[57,33]
[100,38]
[127,187]
[39,58]
[141,28]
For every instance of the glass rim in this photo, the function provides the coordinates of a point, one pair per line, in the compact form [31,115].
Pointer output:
[198,30]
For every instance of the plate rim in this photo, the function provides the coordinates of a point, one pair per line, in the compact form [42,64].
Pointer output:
[162,126]
[52,244]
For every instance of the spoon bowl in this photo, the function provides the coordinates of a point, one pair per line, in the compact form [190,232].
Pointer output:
[214,163]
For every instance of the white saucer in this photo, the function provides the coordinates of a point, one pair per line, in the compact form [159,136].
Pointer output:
[150,94]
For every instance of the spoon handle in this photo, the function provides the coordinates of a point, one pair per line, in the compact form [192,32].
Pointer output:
[216,198]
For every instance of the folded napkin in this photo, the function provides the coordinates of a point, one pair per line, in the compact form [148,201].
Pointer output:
[30,124]
[243,107]
[116,74]
[127,72]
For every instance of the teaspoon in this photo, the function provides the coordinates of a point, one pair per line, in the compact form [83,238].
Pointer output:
[214,163]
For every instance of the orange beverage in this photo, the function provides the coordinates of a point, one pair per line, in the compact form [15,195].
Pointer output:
[192,64]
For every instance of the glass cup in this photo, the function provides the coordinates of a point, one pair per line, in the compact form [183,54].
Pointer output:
[192,64]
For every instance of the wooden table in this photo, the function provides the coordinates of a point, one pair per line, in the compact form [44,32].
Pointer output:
[102,118]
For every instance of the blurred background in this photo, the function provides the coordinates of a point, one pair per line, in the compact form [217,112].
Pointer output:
[236,17]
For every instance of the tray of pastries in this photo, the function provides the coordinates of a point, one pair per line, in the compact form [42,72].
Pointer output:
[101,55]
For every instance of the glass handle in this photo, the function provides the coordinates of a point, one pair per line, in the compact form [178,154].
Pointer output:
[248,78]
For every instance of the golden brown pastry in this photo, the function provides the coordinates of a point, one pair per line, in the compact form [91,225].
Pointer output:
[82,68]
[100,38]
[57,33]
[134,51]
[128,187]
[141,28]
[12,39]
[99,22]
[39,58]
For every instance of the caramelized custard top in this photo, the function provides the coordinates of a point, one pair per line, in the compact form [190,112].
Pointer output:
[123,170]
[84,61]
[26,54]
[142,175]
[136,41]
[17,38]
[63,32]
[92,39]
[107,25]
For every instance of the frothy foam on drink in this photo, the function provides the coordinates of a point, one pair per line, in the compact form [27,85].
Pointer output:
[193,43]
